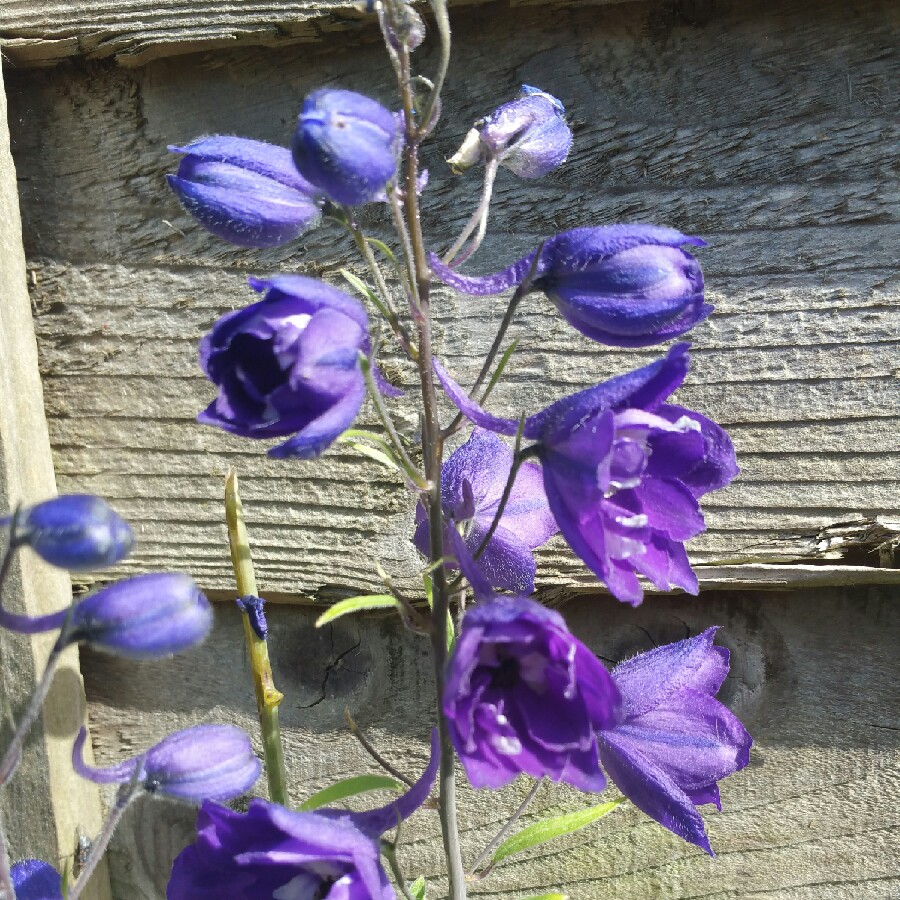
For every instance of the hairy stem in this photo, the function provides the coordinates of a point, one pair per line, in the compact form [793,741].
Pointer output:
[367,746]
[268,697]
[7,891]
[126,794]
[478,220]
[432,448]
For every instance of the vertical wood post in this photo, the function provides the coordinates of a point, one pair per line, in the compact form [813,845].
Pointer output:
[46,804]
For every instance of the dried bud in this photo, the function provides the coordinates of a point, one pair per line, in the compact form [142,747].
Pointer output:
[78,532]
[529,136]
[347,145]
[206,762]
[245,192]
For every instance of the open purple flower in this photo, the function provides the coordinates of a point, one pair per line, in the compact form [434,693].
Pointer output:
[624,285]
[244,191]
[675,741]
[288,365]
[524,695]
[78,532]
[529,136]
[347,145]
[270,851]
[33,879]
[623,471]
[206,762]
[472,483]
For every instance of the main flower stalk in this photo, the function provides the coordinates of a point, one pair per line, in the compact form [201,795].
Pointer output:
[432,454]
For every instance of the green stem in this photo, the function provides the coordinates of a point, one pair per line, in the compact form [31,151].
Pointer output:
[268,697]
[390,854]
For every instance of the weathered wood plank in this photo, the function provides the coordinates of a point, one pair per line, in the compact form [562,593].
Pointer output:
[813,677]
[789,178]
[46,806]
[137,31]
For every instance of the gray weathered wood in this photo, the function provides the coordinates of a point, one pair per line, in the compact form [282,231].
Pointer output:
[46,806]
[813,676]
[44,32]
[766,148]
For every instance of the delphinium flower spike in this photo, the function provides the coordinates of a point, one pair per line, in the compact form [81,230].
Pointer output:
[623,471]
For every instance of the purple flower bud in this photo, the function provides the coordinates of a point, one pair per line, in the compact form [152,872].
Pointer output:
[247,192]
[675,741]
[206,762]
[145,617]
[78,532]
[270,851]
[472,483]
[33,879]
[623,471]
[347,145]
[288,365]
[529,136]
[624,285]
[524,695]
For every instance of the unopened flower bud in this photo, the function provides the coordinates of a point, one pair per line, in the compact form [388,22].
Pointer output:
[206,762]
[244,191]
[347,145]
[145,617]
[78,532]
[529,136]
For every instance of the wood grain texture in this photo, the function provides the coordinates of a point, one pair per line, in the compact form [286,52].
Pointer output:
[813,676]
[780,152]
[45,32]
[46,806]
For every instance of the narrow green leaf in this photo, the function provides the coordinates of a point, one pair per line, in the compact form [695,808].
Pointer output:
[548,829]
[383,247]
[429,590]
[350,787]
[356,604]
[498,372]
[429,594]
[550,896]
[417,888]
[378,455]
[366,291]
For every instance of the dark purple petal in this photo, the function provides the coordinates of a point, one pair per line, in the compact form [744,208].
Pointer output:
[506,562]
[33,879]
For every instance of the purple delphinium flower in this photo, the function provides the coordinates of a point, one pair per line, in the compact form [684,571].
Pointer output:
[529,136]
[288,365]
[472,483]
[675,740]
[347,145]
[270,851]
[623,471]
[78,532]
[33,879]
[149,616]
[244,191]
[524,695]
[206,762]
[624,285]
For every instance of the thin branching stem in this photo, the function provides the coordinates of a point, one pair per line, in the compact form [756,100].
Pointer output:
[389,851]
[429,113]
[367,746]
[503,833]
[7,891]
[478,219]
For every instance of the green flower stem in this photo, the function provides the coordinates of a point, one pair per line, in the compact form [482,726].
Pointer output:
[389,852]
[503,833]
[268,697]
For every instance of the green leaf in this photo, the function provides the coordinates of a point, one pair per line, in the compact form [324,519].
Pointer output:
[429,594]
[378,455]
[356,604]
[417,888]
[366,291]
[504,359]
[548,829]
[551,896]
[350,787]
[383,247]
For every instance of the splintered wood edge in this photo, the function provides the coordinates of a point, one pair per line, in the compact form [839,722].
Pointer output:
[93,31]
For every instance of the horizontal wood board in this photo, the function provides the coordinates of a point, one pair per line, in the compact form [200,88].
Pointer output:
[771,132]
[813,676]
[45,32]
